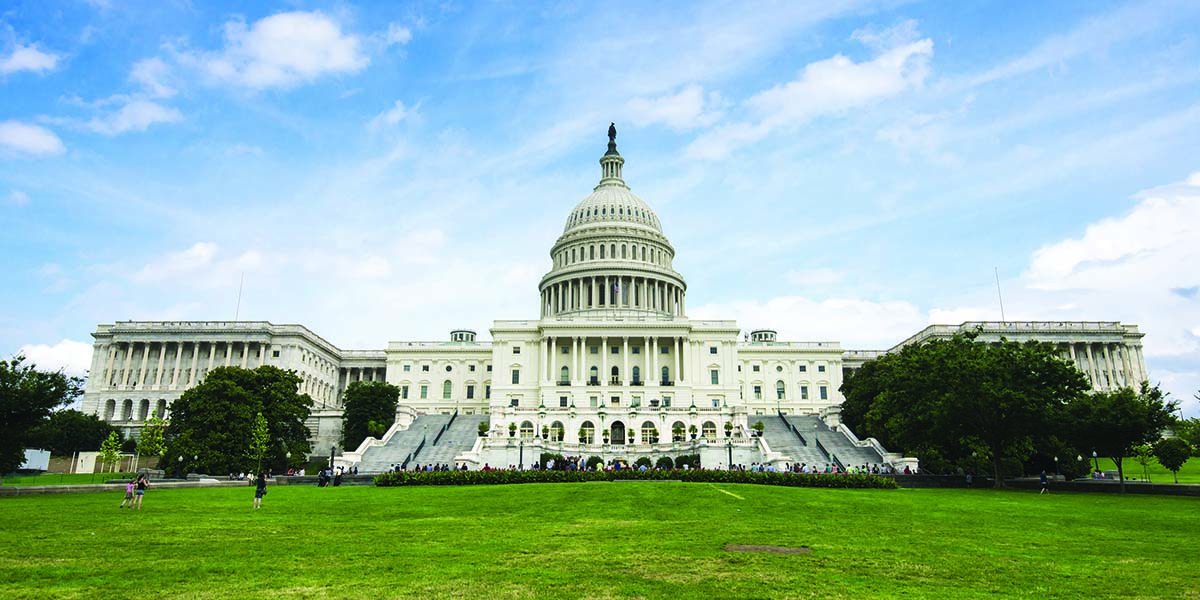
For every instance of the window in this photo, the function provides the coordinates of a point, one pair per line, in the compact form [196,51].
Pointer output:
[487,392]
[565,378]
[424,392]
[716,402]
[516,349]
[662,350]
[712,349]
[715,376]
[779,389]
[666,401]
[778,368]
[446,387]
[565,350]
[594,376]
[449,368]
[404,392]
[516,376]
[489,368]
[755,369]
[615,377]
[637,349]
[514,402]
[637,376]
[709,430]
[666,375]
[275,354]
[616,349]
[804,392]
[470,392]
[562,401]
[614,401]
[758,392]
[471,367]
[595,349]
[424,368]
[803,368]
[824,393]
[820,368]
[407,368]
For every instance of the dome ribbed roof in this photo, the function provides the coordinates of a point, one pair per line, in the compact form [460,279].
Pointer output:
[611,202]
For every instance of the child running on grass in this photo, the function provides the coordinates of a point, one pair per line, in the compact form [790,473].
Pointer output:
[128,494]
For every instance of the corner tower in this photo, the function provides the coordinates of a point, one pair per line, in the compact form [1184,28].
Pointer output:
[612,257]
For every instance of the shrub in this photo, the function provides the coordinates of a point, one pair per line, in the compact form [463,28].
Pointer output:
[593,461]
[560,462]
[692,461]
[643,462]
[409,478]
[665,463]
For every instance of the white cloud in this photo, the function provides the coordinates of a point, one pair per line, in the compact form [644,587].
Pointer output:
[827,87]
[281,51]
[23,138]
[152,74]
[397,35]
[688,109]
[392,116]
[27,58]
[136,115]
[198,266]
[73,358]
[856,323]
[18,198]
[823,276]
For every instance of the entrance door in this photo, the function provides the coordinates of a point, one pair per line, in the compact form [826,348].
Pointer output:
[618,433]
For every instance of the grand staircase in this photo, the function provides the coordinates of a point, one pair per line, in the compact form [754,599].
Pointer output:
[816,443]
[403,443]
[458,438]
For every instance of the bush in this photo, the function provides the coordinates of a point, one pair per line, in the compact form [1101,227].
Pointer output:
[594,461]
[560,462]
[409,478]
[665,463]
[691,461]
[129,446]
[643,462]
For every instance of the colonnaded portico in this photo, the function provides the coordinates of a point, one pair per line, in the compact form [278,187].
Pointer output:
[612,366]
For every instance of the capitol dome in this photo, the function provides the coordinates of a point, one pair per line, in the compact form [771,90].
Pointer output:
[612,255]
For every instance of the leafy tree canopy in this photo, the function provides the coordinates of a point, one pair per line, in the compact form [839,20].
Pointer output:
[69,431]
[27,397]
[366,402]
[1113,423]
[949,399]
[212,424]
[1172,453]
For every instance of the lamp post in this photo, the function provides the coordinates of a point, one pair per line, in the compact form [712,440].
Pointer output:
[180,461]
[332,450]
[729,447]
[1097,459]
[521,457]
[1056,467]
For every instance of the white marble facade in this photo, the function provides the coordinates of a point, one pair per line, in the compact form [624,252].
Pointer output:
[612,349]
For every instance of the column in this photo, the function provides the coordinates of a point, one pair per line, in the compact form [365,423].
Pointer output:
[125,365]
[194,364]
[1126,368]
[162,363]
[178,358]
[112,355]
[579,362]
[245,354]
[212,356]
[543,354]
[687,360]
[145,364]
[675,349]
[654,374]
[1074,359]
[625,360]
[228,354]
[603,363]
[1091,370]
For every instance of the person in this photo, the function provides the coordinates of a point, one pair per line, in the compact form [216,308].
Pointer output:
[128,494]
[970,478]
[1045,483]
[140,489]
[260,490]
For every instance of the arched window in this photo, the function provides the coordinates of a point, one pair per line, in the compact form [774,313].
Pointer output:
[556,431]
[678,431]
[161,411]
[446,387]
[572,255]
[127,410]
[612,250]
[618,433]
[565,377]
[637,376]
[587,433]
[779,389]
[592,252]
[666,375]
[110,408]
[623,251]
[601,251]
[594,376]
[143,410]
[649,433]
[616,376]
[526,430]
[709,430]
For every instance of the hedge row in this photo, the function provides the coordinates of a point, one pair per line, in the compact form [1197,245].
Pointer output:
[404,478]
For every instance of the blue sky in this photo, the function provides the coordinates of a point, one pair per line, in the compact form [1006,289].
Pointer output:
[845,171]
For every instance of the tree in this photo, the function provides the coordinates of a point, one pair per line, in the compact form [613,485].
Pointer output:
[367,401]
[69,431]
[259,439]
[152,442]
[110,450]
[948,398]
[27,396]
[1172,453]
[214,421]
[1142,454]
[1112,423]
[1189,430]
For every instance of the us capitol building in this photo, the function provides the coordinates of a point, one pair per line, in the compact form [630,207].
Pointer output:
[612,367]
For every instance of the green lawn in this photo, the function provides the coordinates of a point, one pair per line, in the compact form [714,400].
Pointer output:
[598,540]
[1189,473]
[63,478]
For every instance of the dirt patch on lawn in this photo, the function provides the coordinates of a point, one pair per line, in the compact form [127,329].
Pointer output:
[768,549]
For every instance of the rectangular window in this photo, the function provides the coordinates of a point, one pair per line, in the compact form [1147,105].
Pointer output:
[514,402]
[516,349]
[562,401]
[275,353]
[470,392]
[425,368]
[756,369]
[424,392]
[404,392]
[593,401]
[666,401]
[407,368]
[516,376]
[824,393]
[487,392]
[616,349]
[663,350]
[804,392]
[803,368]
[820,368]
[614,401]
[489,368]
[637,349]
[712,349]
[716,403]
[565,350]
[471,367]
[715,376]
[758,392]
[595,349]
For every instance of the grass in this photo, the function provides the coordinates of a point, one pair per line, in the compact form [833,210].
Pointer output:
[598,540]
[1188,473]
[64,478]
